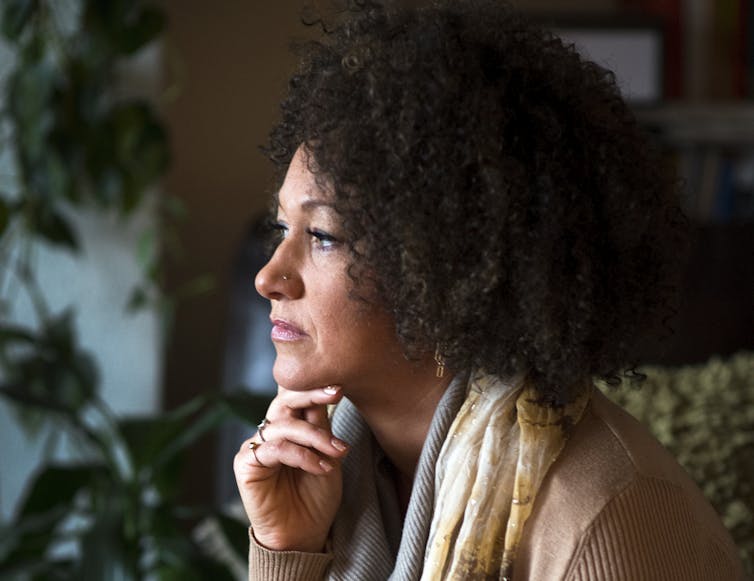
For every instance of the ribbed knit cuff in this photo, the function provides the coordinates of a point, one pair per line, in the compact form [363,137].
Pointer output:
[266,565]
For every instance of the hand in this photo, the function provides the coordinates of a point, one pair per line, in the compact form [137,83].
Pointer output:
[292,497]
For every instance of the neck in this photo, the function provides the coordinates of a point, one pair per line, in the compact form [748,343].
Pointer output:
[399,414]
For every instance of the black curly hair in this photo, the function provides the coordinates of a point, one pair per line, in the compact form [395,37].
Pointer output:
[494,185]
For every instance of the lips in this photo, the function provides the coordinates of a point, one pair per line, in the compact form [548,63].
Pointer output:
[284,331]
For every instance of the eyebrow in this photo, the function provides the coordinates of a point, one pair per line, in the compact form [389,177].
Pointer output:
[311,203]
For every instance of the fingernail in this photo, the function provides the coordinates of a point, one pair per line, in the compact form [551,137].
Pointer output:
[338,444]
[331,389]
[326,466]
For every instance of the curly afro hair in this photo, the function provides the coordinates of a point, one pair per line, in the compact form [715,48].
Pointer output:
[493,184]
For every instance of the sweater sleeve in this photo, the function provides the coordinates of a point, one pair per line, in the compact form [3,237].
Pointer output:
[650,532]
[266,565]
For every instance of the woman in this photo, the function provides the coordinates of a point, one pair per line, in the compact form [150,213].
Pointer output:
[471,228]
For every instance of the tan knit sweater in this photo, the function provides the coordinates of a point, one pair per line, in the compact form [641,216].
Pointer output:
[615,506]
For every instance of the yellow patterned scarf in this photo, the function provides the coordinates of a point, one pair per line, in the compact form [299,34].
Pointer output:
[493,461]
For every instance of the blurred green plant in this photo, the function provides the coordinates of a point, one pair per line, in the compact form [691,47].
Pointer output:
[75,145]
[704,414]
[117,514]
[73,142]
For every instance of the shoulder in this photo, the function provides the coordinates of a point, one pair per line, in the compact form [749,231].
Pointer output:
[616,504]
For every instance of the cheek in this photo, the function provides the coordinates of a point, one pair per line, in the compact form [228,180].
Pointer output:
[351,324]
[346,322]
[374,334]
[330,304]
[341,328]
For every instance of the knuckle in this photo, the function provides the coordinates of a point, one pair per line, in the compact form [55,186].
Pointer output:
[303,456]
[239,463]
[273,447]
[323,435]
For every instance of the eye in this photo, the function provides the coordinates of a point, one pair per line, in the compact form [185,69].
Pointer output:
[323,239]
[279,232]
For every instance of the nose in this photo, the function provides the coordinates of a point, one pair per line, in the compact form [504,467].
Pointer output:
[279,278]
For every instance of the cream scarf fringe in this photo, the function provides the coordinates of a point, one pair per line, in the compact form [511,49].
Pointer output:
[482,503]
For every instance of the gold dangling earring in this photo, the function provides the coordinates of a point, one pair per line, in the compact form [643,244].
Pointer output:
[440,360]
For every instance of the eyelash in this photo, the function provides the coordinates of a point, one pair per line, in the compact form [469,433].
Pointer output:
[324,240]
[279,229]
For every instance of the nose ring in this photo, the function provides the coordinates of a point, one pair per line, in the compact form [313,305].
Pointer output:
[286,277]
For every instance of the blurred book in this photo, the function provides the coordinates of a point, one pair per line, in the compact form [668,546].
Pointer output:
[670,15]
[718,185]
[708,45]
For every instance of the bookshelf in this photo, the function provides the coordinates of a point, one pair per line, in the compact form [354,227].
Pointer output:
[722,124]
[702,115]
[713,147]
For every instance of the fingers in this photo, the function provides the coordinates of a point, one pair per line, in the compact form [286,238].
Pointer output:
[289,434]
[303,433]
[290,403]
[297,400]
[317,415]
[273,454]
[296,434]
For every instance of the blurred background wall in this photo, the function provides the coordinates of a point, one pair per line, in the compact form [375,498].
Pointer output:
[230,61]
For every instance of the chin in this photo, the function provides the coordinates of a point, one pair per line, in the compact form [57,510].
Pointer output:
[294,376]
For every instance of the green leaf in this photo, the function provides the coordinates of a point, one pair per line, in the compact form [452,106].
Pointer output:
[108,554]
[15,17]
[18,393]
[157,444]
[122,26]
[245,406]
[141,150]
[211,419]
[55,374]
[56,487]
[48,500]
[147,438]
[23,547]
[60,330]
[56,230]
[138,299]
[15,334]
[86,374]
[129,151]
[146,251]
[36,568]
[4,216]
[236,533]
[177,572]
[51,178]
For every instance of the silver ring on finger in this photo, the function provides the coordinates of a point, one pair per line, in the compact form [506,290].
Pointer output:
[260,428]
[253,447]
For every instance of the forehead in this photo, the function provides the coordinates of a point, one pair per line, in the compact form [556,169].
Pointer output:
[300,190]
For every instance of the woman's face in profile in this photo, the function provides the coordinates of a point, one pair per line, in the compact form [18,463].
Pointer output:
[322,335]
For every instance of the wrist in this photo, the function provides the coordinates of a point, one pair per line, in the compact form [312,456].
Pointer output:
[277,543]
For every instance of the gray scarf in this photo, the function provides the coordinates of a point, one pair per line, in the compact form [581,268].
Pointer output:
[367,540]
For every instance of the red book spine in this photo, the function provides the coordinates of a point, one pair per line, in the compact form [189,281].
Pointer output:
[670,13]
[741,71]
